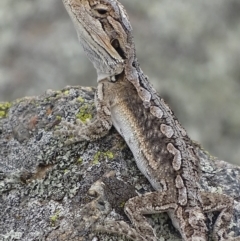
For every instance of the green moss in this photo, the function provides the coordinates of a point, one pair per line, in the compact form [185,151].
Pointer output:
[4,107]
[109,154]
[84,114]
[58,117]
[54,218]
[66,92]
[99,155]
[2,114]
[122,204]
[80,160]
[80,99]
[96,158]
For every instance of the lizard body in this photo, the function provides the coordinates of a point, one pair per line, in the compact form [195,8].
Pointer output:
[161,147]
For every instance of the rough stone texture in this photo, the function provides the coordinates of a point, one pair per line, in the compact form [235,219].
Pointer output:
[189,49]
[44,184]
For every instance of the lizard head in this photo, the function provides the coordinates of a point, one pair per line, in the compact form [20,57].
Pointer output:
[104,32]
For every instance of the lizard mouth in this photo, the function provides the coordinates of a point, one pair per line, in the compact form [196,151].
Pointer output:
[116,45]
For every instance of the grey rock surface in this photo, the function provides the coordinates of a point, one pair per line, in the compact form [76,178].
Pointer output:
[44,184]
[189,49]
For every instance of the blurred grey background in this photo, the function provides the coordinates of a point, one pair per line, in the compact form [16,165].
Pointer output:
[189,49]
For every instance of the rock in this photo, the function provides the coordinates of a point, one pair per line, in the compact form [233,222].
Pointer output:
[189,49]
[44,184]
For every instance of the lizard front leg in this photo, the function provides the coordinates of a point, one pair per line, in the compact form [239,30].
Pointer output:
[92,130]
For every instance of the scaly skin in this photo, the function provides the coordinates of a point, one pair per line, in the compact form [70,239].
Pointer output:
[162,149]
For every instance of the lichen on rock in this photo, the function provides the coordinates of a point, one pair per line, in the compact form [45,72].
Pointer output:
[44,184]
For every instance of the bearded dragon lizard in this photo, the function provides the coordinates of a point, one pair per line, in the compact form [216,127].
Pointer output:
[161,147]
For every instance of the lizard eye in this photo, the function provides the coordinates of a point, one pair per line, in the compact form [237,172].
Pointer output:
[101,9]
